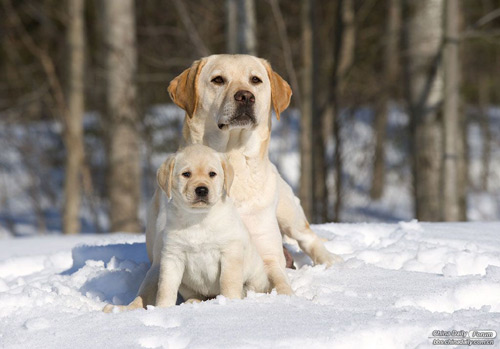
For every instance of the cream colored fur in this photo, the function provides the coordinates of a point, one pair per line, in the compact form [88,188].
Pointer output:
[205,249]
[264,200]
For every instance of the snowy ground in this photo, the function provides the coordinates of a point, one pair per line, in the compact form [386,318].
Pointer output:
[399,283]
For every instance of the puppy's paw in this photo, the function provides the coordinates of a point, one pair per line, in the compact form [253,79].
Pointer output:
[284,289]
[109,308]
[193,300]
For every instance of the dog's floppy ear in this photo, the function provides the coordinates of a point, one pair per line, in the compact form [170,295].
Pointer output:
[228,173]
[184,88]
[164,175]
[280,90]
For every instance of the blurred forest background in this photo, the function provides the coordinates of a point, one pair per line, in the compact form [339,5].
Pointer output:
[395,113]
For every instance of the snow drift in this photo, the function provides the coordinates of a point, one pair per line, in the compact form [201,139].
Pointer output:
[398,284]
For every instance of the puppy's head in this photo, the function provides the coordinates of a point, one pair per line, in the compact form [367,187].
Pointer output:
[196,177]
[236,90]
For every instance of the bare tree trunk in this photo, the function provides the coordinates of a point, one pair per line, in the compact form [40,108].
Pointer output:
[68,108]
[73,132]
[452,125]
[391,68]
[248,41]
[463,165]
[190,28]
[287,50]
[463,145]
[306,157]
[231,26]
[425,93]
[123,153]
[484,123]
[344,58]
[324,110]
[320,195]
[241,27]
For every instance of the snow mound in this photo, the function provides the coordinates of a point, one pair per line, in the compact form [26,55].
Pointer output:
[398,284]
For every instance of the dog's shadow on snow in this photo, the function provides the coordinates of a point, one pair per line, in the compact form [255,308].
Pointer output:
[113,273]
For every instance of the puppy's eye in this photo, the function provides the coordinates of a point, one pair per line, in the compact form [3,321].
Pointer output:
[218,80]
[255,80]
[186,174]
[212,174]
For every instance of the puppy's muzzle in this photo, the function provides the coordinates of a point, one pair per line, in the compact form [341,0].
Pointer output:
[201,192]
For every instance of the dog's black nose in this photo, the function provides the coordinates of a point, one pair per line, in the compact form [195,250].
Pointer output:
[244,97]
[201,191]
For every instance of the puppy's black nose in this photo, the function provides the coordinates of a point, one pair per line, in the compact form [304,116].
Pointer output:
[244,97]
[201,191]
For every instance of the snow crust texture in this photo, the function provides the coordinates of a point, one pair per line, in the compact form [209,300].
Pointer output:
[398,284]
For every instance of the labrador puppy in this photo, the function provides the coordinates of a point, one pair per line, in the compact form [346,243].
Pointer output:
[204,249]
[228,101]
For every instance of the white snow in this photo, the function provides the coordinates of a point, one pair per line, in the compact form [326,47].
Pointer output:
[398,284]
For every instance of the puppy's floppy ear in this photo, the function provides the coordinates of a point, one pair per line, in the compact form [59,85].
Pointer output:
[164,175]
[228,173]
[184,88]
[280,90]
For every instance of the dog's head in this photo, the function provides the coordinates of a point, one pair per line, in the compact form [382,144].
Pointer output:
[196,177]
[236,90]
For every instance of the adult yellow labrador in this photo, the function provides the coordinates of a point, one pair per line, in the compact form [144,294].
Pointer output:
[228,101]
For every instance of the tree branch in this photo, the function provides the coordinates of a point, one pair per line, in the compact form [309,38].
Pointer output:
[287,50]
[190,28]
[45,60]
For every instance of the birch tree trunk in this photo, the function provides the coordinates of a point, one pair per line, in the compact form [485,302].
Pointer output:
[391,68]
[344,58]
[122,119]
[484,124]
[320,206]
[73,130]
[323,115]
[306,157]
[453,157]
[232,26]
[241,27]
[425,94]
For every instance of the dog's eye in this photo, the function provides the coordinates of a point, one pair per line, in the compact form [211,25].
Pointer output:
[218,80]
[186,174]
[212,174]
[256,80]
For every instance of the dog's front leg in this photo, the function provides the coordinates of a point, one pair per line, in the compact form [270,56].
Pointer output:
[171,272]
[277,276]
[231,278]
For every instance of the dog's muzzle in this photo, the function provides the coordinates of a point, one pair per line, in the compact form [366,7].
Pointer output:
[201,195]
[244,114]
[201,191]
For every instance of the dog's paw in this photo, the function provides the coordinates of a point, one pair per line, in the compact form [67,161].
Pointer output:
[284,289]
[109,308]
[193,300]
[327,258]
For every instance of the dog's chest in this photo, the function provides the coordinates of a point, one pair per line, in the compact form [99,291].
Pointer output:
[254,185]
[202,270]
[202,257]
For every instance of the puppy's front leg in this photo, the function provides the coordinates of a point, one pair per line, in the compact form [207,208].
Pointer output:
[231,278]
[171,271]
